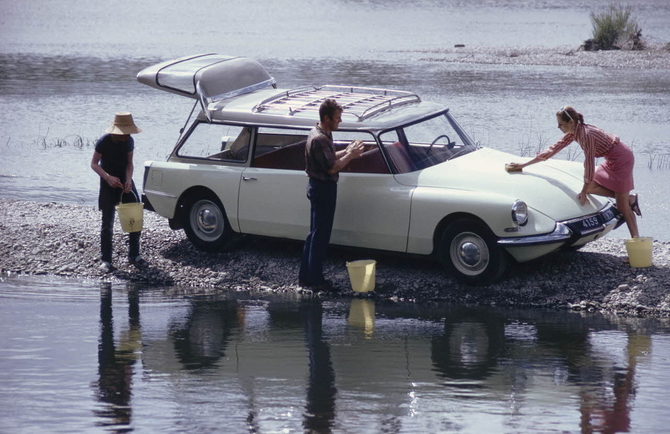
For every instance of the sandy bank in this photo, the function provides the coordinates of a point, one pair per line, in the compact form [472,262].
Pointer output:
[656,56]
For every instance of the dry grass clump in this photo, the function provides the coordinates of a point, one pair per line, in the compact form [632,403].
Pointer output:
[615,28]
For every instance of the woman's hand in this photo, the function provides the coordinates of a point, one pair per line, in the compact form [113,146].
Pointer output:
[514,167]
[583,198]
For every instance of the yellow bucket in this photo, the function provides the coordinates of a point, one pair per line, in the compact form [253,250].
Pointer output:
[130,215]
[639,251]
[362,274]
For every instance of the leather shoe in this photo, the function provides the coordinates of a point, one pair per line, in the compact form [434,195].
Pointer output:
[139,262]
[106,267]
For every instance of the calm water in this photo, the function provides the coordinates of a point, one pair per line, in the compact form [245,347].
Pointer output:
[94,357]
[86,357]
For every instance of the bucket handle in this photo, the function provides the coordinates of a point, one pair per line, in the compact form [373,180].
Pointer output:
[132,191]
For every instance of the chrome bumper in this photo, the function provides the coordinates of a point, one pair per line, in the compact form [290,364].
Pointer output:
[570,232]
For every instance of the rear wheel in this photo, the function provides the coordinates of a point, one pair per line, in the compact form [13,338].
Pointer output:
[470,253]
[206,224]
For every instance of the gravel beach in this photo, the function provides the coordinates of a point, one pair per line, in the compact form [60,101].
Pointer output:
[63,240]
[655,56]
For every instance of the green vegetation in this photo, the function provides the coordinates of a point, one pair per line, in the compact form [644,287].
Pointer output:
[613,29]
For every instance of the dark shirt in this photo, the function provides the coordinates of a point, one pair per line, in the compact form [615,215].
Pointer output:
[320,155]
[114,161]
[114,155]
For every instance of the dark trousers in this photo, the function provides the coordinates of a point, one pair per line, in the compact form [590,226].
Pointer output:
[107,230]
[323,197]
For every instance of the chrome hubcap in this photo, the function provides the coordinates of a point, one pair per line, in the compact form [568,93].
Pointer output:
[207,220]
[469,253]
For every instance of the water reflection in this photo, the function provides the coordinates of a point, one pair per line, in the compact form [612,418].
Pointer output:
[312,365]
[200,341]
[116,362]
[320,407]
[470,346]
[362,316]
[607,408]
[483,349]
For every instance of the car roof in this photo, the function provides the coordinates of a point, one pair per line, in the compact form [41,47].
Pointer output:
[240,90]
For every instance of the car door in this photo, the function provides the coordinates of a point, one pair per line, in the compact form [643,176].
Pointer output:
[272,199]
[373,211]
[372,207]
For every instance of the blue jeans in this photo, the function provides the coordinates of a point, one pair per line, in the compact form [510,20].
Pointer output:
[323,197]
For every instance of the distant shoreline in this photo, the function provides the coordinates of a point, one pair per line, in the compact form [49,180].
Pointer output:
[656,56]
[63,240]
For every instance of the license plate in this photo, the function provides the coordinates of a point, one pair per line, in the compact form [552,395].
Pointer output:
[597,220]
[590,222]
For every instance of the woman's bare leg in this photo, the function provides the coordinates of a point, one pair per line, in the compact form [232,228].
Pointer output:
[599,190]
[623,204]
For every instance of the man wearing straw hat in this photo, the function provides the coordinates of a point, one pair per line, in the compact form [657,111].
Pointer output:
[113,162]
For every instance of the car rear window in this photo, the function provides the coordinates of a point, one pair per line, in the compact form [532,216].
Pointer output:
[217,142]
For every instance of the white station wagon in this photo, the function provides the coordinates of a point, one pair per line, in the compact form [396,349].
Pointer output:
[422,186]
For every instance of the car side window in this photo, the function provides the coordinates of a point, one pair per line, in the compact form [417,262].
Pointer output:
[397,152]
[217,142]
[278,148]
[371,161]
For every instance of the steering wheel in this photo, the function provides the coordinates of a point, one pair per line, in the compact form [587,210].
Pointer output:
[450,144]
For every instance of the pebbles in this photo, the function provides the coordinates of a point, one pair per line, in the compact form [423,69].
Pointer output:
[656,56]
[64,240]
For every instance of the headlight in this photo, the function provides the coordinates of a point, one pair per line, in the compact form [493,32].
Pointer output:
[520,213]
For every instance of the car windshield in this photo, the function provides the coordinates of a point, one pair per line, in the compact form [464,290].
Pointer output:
[426,143]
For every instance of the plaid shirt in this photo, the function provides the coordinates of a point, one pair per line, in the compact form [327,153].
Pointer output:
[320,155]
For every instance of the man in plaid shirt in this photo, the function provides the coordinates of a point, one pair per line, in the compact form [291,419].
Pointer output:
[323,165]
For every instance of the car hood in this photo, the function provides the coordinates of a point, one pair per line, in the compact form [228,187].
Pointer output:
[550,187]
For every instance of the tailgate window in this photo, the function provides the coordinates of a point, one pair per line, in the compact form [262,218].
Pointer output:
[217,142]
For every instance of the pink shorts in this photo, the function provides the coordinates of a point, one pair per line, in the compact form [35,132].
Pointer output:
[616,172]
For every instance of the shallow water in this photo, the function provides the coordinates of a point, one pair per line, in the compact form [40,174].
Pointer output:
[96,356]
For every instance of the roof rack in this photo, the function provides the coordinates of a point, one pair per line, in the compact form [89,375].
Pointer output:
[360,102]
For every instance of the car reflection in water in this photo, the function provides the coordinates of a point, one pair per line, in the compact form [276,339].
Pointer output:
[330,358]
[479,350]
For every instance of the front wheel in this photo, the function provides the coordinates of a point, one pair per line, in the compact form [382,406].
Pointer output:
[470,253]
[206,224]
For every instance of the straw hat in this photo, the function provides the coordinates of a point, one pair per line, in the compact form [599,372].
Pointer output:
[123,124]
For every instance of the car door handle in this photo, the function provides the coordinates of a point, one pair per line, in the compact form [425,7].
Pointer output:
[249,178]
